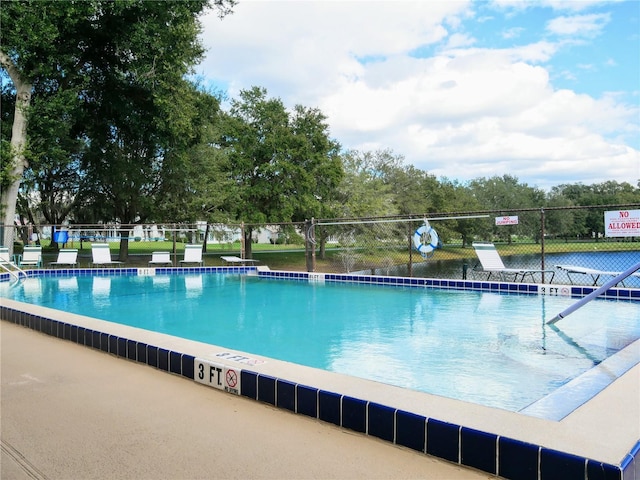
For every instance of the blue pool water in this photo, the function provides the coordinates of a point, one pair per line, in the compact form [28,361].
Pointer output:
[487,348]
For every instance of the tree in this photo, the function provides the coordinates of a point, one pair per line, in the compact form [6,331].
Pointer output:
[196,182]
[282,163]
[561,223]
[363,191]
[52,183]
[321,169]
[97,50]
[590,223]
[460,199]
[507,193]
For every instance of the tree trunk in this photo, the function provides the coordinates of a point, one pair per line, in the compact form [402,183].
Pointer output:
[248,233]
[9,197]
[124,245]
[206,236]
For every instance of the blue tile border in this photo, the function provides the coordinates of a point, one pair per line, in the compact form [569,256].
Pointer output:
[411,430]
[477,450]
[163,359]
[517,460]
[329,407]
[555,465]
[382,422]
[286,395]
[266,389]
[600,471]
[354,414]
[307,401]
[249,384]
[508,458]
[617,293]
[443,440]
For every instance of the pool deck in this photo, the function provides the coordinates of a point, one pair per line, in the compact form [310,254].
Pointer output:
[73,412]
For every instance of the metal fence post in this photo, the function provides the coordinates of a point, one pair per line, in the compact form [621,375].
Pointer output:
[410,265]
[542,243]
[243,248]
[310,244]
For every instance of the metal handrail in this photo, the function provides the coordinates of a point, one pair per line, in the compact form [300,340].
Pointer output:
[12,272]
[598,291]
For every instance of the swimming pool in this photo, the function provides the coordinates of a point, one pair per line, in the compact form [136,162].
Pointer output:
[489,348]
[585,442]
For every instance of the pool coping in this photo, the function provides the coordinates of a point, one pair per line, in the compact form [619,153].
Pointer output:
[512,445]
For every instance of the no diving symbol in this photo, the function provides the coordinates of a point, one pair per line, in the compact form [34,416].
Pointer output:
[232,378]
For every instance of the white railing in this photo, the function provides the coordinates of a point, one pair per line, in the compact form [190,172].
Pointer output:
[14,271]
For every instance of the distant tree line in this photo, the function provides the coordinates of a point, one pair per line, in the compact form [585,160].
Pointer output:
[102,122]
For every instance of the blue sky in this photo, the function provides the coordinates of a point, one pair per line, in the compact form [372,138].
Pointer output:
[547,90]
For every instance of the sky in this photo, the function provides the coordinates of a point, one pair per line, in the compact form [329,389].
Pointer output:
[547,91]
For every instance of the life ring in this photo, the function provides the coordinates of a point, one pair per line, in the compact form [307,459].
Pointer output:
[425,248]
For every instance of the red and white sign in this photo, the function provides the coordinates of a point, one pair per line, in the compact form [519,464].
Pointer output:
[622,223]
[508,220]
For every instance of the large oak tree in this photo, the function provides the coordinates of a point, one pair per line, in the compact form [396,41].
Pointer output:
[123,62]
[283,164]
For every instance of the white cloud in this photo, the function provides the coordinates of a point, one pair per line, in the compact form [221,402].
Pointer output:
[559,5]
[459,111]
[458,40]
[580,25]
[513,32]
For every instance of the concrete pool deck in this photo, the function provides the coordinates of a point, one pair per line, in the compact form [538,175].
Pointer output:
[71,412]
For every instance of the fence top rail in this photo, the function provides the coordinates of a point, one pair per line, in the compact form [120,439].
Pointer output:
[500,211]
[397,220]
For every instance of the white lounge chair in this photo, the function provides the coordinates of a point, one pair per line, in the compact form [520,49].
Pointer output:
[160,258]
[5,259]
[232,259]
[67,257]
[492,263]
[593,273]
[101,255]
[7,265]
[192,254]
[31,256]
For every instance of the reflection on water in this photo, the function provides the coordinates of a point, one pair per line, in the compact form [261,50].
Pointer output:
[428,269]
[32,288]
[68,284]
[193,285]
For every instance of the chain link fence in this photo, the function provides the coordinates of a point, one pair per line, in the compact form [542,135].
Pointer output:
[565,245]
[562,245]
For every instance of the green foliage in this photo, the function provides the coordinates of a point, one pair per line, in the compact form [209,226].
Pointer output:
[507,193]
[195,182]
[6,159]
[283,164]
[107,99]
[363,191]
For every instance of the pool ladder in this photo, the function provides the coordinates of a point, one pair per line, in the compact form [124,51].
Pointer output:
[14,271]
